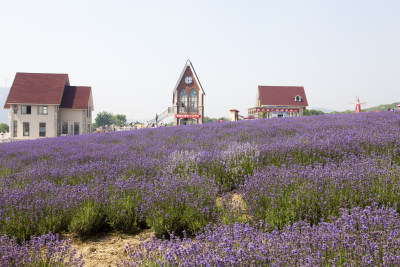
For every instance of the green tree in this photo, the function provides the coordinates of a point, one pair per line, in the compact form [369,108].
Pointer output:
[313,112]
[120,119]
[4,128]
[104,118]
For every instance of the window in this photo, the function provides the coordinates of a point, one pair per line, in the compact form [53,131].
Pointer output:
[25,129]
[88,128]
[42,110]
[64,127]
[183,101]
[15,129]
[25,109]
[15,109]
[89,111]
[297,98]
[76,128]
[193,101]
[42,129]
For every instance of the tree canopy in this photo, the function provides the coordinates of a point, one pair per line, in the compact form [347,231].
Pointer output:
[107,118]
[104,118]
[4,128]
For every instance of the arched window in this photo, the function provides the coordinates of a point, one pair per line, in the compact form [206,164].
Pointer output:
[193,101]
[183,101]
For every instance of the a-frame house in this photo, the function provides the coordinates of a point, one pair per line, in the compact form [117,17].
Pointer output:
[188,97]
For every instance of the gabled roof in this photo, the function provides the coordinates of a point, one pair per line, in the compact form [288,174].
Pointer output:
[281,95]
[188,64]
[76,97]
[37,88]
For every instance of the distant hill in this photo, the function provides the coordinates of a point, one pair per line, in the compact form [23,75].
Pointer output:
[382,107]
[3,112]
[324,110]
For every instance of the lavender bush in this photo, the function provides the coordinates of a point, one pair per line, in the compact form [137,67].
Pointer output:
[175,179]
[46,250]
[359,237]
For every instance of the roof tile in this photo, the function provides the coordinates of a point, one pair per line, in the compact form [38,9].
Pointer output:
[76,97]
[282,95]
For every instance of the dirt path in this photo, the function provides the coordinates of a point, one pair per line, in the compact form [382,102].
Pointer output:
[106,249]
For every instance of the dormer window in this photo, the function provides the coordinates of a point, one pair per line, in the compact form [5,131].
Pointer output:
[297,98]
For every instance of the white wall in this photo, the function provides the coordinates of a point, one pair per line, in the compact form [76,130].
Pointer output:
[71,116]
[34,119]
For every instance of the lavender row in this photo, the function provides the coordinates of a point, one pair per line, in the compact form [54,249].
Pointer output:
[46,250]
[288,194]
[359,237]
[170,179]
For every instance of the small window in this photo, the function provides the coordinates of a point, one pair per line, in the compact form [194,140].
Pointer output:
[297,98]
[88,128]
[15,129]
[15,109]
[25,129]
[64,127]
[42,110]
[25,109]
[89,111]
[42,129]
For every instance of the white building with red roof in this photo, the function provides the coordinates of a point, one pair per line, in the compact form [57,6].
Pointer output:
[279,101]
[45,105]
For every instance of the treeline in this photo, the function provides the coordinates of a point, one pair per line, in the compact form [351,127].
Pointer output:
[105,118]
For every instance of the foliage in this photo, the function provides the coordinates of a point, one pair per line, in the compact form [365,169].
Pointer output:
[4,128]
[46,250]
[208,119]
[290,172]
[104,118]
[119,119]
[313,112]
[359,237]
[383,107]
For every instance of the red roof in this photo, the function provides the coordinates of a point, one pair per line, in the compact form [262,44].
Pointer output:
[47,89]
[282,95]
[76,97]
[37,88]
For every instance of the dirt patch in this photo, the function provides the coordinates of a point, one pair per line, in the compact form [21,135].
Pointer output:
[105,250]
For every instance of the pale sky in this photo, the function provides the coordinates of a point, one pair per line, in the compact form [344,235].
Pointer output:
[132,52]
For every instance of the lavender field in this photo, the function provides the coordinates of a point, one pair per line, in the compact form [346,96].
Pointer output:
[308,191]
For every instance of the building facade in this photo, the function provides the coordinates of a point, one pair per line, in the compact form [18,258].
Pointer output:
[45,105]
[279,101]
[188,98]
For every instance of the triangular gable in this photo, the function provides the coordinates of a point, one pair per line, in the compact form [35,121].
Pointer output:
[188,64]
[37,88]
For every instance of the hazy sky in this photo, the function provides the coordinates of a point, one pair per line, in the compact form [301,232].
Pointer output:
[132,52]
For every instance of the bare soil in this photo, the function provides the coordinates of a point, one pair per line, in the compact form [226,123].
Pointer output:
[105,250]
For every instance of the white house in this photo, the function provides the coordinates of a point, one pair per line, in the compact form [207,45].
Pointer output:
[45,105]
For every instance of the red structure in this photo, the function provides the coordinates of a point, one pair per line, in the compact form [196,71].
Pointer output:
[188,98]
[358,105]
